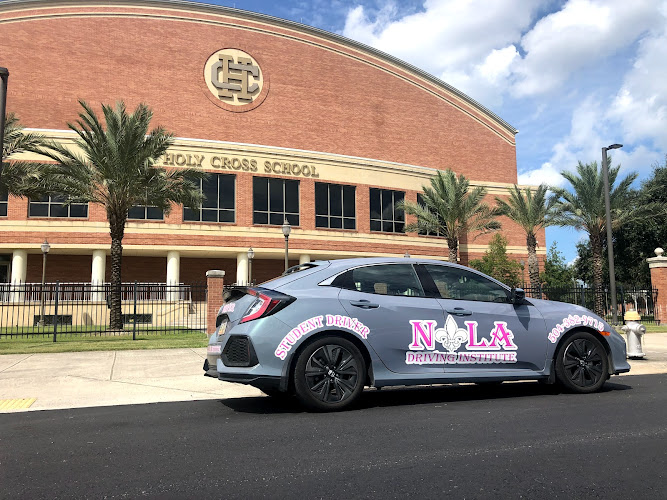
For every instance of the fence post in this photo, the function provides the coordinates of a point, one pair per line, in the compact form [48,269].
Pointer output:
[215,280]
[134,319]
[622,302]
[583,296]
[55,312]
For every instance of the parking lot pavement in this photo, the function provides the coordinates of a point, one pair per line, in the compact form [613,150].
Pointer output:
[50,381]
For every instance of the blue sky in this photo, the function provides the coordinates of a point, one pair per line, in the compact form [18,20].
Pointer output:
[572,76]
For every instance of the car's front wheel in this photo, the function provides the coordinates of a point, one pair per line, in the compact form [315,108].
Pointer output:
[329,374]
[581,363]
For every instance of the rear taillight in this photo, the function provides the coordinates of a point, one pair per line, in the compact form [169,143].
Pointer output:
[265,305]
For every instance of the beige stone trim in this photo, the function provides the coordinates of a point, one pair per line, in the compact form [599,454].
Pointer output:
[330,167]
[656,262]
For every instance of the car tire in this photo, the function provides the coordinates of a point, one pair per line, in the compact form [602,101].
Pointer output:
[582,364]
[329,374]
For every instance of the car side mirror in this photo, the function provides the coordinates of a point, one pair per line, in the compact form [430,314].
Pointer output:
[517,296]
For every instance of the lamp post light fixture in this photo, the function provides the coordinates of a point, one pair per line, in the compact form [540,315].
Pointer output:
[406,255]
[251,254]
[45,250]
[4,75]
[287,229]
[610,246]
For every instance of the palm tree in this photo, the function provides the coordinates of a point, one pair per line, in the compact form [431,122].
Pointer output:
[451,209]
[583,208]
[532,211]
[116,168]
[18,177]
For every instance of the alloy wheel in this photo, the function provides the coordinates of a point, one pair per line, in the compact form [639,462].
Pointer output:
[583,363]
[332,373]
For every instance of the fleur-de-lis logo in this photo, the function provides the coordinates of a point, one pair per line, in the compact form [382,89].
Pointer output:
[451,336]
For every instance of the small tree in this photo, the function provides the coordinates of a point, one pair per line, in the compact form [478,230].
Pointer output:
[497,264]
[583,208]
[557,274]
[452,209]
[532,211]
[116,169]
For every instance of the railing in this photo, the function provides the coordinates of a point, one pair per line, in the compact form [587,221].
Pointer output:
[30,309]
[640,299]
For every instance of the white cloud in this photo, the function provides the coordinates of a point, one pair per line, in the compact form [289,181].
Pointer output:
[641,104]
[582,33]
[469,44]
[474,44]
[546,174]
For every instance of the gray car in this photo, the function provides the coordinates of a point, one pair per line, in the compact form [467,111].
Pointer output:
[326,329]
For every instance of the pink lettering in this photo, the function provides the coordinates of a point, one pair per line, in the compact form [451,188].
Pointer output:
[330,320]
[473,343]
[503,336]
[422,331]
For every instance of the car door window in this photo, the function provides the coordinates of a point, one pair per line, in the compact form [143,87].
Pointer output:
[459,284]
[389,279]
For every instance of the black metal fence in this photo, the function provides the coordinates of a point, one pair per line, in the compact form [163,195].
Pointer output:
[639,299]
[56,309]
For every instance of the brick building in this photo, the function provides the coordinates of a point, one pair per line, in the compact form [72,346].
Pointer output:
[291,122]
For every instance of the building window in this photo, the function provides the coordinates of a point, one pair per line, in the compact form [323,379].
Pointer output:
[384,214]
[53,206]
[145,212]
[219,198]
[420,200]
[334,206]
[3,203]
[275,200]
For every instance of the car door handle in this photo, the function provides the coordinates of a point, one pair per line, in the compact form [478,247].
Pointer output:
[364,304]
[459,311]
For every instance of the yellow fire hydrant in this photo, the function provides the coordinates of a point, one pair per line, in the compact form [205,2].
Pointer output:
[634,331]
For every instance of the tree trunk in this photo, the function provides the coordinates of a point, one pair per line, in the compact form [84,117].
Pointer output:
[117,230]
[453,245]
[533,265]
[598,292]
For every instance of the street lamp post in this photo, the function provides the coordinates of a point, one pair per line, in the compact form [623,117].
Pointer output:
[287,229]
[610,246]
[251,254]
[45,250]
[4,75]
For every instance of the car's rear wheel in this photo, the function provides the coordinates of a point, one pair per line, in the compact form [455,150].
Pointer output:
[581,363]
[329,374]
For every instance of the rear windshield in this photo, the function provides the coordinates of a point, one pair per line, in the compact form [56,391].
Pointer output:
[295,272]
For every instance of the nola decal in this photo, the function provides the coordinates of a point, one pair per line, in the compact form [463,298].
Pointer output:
[227,308]
[500,348]
[574,320]
[352,324]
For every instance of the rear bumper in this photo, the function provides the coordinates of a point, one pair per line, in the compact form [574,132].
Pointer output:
[260,381]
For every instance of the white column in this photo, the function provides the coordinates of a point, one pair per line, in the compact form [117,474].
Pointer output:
[97,275]
[19,272]
[173,274]
[304,258]
[242,268]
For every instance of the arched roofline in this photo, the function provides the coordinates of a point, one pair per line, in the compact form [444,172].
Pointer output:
[12,5]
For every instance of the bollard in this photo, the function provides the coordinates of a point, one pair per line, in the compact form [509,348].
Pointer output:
[634,332]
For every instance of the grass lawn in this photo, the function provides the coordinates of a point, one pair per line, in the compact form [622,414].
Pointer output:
[77,343]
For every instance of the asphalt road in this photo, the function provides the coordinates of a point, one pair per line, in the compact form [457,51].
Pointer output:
[515,441]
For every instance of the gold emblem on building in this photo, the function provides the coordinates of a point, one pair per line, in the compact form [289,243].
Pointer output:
[235,79]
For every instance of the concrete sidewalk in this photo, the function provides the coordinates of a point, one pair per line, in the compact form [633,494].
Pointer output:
[106,378]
